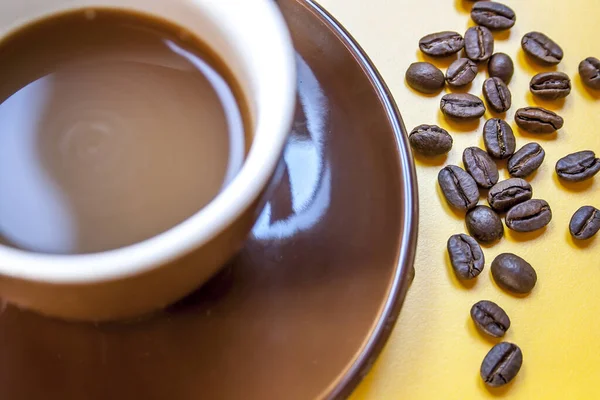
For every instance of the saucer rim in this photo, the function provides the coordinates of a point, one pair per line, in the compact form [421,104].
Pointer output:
[345,383]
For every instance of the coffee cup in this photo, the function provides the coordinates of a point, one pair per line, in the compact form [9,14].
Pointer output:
[251,38]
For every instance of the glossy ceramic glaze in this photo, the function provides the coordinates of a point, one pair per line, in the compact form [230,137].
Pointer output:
[305,308]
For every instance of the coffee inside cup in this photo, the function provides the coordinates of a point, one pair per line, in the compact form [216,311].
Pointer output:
[114,127]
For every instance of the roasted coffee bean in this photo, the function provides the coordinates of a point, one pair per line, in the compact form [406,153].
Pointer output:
[550,85]
[484,224]
[430,140]
[507,194]
[425,77]
[498,138]
[441,44]
[589,70]
[461,72]
[459,188]
[529,216]
[585,223]
[526,160]
[497,95]
[466,256]
[538,120]
[514,274]
[579,166]
[479,43]
[501,66]
[501,364]
[462,106]
[493,15]
[481,167]
[490,318]
[541,48]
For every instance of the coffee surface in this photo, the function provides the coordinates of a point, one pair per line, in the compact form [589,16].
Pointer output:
[114,127]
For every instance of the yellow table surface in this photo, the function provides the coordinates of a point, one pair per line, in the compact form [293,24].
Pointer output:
[435,351]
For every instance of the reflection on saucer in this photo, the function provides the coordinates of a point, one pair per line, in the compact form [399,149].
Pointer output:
[303,195]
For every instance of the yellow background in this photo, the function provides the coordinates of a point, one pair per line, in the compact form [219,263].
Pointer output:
[435,351]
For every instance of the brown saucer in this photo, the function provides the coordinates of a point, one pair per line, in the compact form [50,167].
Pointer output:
[306,307]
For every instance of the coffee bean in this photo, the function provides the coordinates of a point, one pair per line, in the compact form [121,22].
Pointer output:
[501,66]
[461,72]
[513,274]
[541,48]
[490,318]
[484,224]
[459,188]
[479,43]
[538,120]
[529,216]
[466,256]
[585,223]
[550,85]
[526,160]
[481,167]
[430,140]
[441,44]
[425,77]
[501,364]
[589,70]
[462,106]
[506,194]
[498,138]
[493,15]
[497,95]
[579,166]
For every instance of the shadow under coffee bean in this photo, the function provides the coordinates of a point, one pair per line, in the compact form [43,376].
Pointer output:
[115,127]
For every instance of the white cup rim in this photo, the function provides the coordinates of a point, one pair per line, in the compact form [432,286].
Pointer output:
[270,135]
